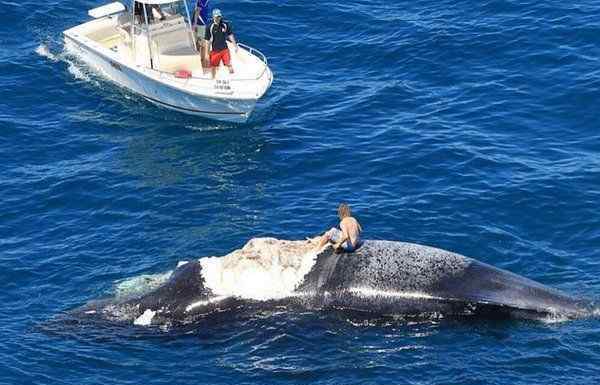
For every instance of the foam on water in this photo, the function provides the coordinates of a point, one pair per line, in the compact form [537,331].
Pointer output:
[80,71]
[74,69]
[77,71]
[554,318]
[44,51]
[68,56]
[265,268]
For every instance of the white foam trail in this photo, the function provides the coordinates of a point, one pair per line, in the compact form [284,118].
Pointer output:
[264,269]
[44,51]
[74,68]
[145,319]
[554,319]
[77,72]
[207,128]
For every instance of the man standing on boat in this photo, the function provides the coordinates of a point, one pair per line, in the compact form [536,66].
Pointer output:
[217,34]
[201,15]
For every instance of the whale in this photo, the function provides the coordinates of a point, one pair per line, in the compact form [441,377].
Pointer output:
[380,279]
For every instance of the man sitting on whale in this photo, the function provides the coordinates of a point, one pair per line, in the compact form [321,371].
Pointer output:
[347,237]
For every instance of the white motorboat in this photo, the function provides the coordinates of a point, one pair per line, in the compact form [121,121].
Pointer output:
[157,58]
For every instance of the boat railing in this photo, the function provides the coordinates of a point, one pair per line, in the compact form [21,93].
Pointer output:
[209,80]
[261,56]
[252,51]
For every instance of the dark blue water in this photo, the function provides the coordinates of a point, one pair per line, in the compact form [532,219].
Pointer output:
[470,126]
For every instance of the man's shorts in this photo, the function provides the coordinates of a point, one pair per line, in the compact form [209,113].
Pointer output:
[217,57]
[335,234]
[200,32]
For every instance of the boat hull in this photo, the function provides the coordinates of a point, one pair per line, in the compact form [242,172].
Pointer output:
[159,93]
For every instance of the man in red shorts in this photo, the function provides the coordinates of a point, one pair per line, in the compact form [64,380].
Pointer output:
[217,34]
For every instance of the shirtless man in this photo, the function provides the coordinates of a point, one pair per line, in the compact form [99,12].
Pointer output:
[348,238]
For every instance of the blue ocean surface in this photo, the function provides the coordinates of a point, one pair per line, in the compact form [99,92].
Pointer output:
[472,126]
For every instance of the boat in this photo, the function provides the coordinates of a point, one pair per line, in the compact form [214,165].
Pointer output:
[153,53]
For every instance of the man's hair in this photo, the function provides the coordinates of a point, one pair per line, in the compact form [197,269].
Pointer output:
[344,211]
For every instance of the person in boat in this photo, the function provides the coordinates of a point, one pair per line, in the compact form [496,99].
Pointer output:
[158,12]
[347,237]
[217,35]
[138,12]
[152,10]
[200,21]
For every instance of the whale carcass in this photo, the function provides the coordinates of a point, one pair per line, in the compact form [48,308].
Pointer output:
[382,278]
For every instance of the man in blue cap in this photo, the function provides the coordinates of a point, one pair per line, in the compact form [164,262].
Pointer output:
[217,34]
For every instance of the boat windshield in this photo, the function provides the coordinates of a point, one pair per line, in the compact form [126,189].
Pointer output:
[157,13]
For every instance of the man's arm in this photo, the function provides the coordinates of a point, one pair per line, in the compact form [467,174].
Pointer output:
[208,32]
[208,38]
[159,13]
[231,37]
[344,237]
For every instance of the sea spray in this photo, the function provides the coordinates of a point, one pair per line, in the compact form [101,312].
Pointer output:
[44,51]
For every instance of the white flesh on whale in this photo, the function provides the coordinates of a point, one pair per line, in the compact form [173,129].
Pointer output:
[264,269]
[145,319]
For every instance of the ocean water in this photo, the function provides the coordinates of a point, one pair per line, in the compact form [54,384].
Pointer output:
[469,126]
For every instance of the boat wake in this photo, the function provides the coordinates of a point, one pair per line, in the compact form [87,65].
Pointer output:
[78,72]
[44,51]
[75,68]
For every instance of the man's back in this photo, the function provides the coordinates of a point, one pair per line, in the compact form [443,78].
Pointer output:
[351,227]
